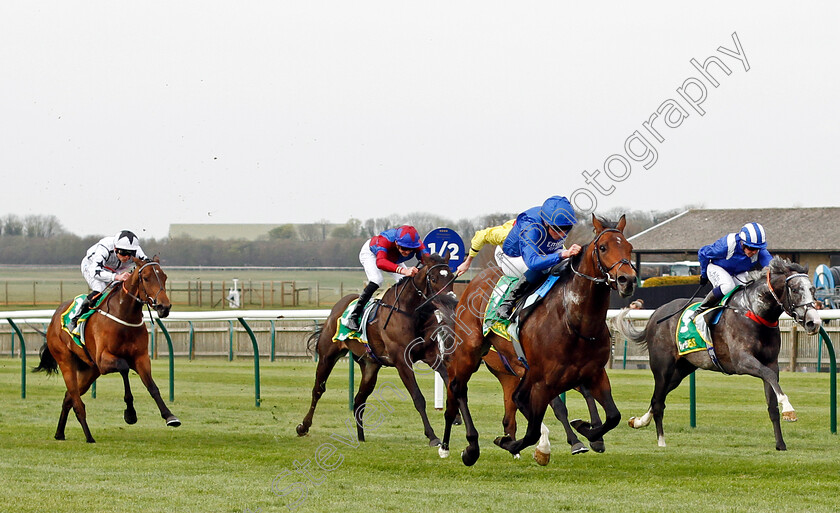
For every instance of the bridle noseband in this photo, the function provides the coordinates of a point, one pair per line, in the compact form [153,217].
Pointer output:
[785,301]
[426,298]
[149,301]
[428,286]
[605,271]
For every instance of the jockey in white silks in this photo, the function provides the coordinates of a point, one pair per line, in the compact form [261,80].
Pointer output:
[107,261]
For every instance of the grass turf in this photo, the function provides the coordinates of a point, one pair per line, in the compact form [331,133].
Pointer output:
[229,456]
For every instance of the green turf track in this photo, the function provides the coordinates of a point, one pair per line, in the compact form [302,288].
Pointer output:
[227,453]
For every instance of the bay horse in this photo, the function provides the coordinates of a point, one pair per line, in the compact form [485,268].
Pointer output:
[565,340]
[116,340]
[402,333]
[509,373]
[746,339]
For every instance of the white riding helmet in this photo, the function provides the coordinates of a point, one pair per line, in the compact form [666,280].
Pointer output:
[127,241]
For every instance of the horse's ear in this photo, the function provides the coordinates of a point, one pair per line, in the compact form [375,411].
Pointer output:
[596,224]
[156,259]
[621,223]
[424,258]
[446,255]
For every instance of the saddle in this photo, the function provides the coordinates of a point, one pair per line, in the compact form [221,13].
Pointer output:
[692,336]
[508,328]
[73,309]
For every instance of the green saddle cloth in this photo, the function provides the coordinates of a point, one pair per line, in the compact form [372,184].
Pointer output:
[694,335]
[73,309]
[492,322]
[342,332]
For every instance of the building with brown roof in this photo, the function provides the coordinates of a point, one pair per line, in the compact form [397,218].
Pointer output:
[809,236]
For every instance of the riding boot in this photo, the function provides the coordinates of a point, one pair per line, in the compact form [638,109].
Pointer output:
[523,288]
[352,321]
[72,326]
[711,300]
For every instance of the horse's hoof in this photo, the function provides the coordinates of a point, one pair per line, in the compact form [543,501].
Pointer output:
[542,458]
[59,437]
[580,426]
[579,448]
[302,430]
[598,446]
[90,441]
[434,442]
[443,453]
[130,417]
[781,447]
[173,421]
[470,455]
[632,423]
[501,440]
[789,416]
[517,456]
[457,421]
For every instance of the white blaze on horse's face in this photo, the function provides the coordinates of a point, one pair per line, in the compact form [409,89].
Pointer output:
[802,300]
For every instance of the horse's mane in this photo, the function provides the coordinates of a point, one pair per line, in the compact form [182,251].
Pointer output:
[778,265]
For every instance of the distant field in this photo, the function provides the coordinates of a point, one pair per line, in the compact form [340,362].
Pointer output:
[229,456]
[44,287]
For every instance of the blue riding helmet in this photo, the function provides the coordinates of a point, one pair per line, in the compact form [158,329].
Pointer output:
[753,236]
[558,211]
[407,237]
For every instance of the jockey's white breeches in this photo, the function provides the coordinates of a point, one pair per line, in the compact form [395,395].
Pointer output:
[719,277]
[374,273]
[511,266]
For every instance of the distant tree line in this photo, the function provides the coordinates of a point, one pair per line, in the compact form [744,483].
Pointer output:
[41,240]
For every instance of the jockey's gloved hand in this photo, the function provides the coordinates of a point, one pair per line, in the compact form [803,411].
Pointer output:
[704,279]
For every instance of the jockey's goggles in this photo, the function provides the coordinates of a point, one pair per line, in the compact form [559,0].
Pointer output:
[126,252]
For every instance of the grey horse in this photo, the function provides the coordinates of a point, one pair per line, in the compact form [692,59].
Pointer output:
[746,339]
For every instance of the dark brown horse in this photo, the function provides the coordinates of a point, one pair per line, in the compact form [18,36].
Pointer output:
[565,340]
[401,334]
[509,373]
[746,339]
[116,340]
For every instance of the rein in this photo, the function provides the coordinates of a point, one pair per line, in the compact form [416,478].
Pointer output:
[788,309]
[607,277]
[395,307]
[149,302]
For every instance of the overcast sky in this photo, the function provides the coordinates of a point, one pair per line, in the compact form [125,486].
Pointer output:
[135,115]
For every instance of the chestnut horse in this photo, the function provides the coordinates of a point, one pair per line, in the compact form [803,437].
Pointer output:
[402,333]
[509,373]
[746,339]
[565,340]
[116,340]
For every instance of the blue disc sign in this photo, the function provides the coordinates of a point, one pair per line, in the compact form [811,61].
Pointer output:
[441,240]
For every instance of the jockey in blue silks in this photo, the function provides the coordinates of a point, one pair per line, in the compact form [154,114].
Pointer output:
[534,246]
[729,259]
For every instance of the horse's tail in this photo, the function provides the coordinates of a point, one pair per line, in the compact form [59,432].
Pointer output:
[627,329]
[312,339]
[48,363]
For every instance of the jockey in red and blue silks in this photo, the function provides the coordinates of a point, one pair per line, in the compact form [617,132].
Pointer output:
[534,246]
[386,252]
[728,260]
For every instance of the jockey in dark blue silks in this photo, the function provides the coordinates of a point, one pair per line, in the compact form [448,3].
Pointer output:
[534,246]
[726,262]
